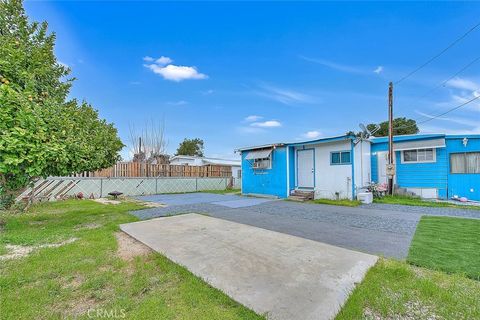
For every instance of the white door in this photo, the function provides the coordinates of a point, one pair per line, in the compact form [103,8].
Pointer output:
[305,168]
[382,159]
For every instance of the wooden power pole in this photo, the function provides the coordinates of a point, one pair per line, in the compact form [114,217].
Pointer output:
[391,155]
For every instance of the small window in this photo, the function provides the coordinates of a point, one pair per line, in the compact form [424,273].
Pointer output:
[263,163]
[419,155]
[468,162]
[340,157]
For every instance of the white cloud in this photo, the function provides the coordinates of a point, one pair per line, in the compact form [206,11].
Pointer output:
[378,70]
[168,71]
[312,134]
[208,92]
[176,73]
[177,103]
[267,124]
[253,118]
[163,61]
[463,84]
[334,65]
[285,96]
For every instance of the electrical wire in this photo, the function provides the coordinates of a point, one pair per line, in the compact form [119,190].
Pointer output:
[438,54]
[439,115]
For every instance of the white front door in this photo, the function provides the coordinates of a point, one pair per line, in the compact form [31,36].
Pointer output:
[305,168]
[382,160]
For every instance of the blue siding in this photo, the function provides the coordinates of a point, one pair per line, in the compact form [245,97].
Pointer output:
[269,181]
[463,184]
[291,162]
[424,175]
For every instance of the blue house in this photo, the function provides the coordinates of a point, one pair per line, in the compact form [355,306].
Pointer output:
[429,165]
[330,167]
[432,165]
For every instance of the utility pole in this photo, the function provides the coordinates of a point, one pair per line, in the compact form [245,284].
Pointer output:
[391,155]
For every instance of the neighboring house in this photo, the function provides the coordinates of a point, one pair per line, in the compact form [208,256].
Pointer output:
[202,161]
[330,167]
[430,165]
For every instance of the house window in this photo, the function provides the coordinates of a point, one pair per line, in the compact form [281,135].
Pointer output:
[418,155]
[467,162]
[262,163]
[340,157]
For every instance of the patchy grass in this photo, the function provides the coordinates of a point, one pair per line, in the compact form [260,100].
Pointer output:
[415,201]
[69,280]
[448,244]
[222,191]
[396,290]
[341,202]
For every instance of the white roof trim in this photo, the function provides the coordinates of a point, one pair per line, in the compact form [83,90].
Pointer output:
[258,154]
[419,144]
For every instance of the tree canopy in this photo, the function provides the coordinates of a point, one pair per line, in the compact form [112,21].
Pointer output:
[42,132]
[190,147]
[401,126]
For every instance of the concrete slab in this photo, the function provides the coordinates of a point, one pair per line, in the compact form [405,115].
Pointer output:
[283,276]
[242,203]
[188,198]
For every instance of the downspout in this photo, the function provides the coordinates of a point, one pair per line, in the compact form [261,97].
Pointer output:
[288,171]
[352,152]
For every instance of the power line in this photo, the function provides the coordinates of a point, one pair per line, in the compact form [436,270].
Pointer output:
[440,114]
[438,54]
[443,83]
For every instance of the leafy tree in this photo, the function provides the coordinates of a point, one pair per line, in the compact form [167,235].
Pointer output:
[41,132]
[401,126]
[190,147]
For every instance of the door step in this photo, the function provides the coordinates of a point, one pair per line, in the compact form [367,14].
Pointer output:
[301,195]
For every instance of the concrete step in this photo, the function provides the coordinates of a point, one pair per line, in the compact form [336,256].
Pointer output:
[297,198]
[301,195]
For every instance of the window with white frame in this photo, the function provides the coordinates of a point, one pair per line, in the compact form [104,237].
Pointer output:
[418,155]
[465,162]
[262,163]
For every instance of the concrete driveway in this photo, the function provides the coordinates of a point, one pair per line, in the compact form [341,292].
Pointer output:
[276,274]
[376,229]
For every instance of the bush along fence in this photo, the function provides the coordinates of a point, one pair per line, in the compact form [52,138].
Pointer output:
[142,169]
[55,188]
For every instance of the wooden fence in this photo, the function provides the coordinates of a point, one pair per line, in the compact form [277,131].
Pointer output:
[139,169]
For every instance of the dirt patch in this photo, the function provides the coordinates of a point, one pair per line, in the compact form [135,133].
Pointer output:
[129,248]
[414,310]
[151,204]
[80,307]
[73,282]
[88,226]
[107,201]
[16,251]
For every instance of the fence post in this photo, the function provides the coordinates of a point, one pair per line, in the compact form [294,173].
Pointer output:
[156,185]
[196,184]
[101,187]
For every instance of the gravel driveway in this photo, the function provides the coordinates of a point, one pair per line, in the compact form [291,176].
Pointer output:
[376,229]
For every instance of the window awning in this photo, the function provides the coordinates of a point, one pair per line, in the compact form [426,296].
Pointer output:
[419,144]
[258,154]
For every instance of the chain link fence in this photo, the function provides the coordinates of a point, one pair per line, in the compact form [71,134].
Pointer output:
[61,187]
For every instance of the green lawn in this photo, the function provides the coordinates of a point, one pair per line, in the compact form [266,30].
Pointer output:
[396,290]
[88,273]
[341,202]
[448,244]
[414,201]
[66,281]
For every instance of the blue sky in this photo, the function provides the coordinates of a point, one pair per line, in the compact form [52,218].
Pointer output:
[237,74]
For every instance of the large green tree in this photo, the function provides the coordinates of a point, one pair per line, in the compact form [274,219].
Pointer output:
[190,147]
[42,132]
[401,126]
